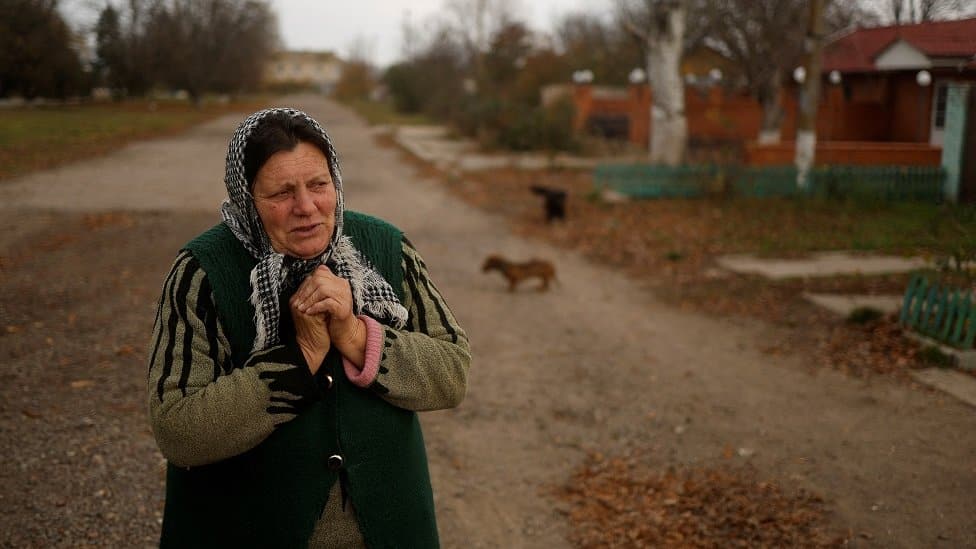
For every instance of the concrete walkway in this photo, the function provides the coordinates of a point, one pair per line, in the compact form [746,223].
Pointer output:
[820,264]
[845,304]
[957,384]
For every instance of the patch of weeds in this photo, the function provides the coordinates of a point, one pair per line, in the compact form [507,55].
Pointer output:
[933,356]
[674,255]
[864,315]
[602,197]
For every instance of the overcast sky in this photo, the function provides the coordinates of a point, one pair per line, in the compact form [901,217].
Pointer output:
[337,24]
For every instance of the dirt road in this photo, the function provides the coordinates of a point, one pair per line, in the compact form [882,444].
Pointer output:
[593,365]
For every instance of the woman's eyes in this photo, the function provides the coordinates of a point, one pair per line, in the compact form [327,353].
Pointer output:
[285,194]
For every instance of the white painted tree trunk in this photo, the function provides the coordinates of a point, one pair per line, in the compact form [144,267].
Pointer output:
[669,127]
[806,125]
[806,146]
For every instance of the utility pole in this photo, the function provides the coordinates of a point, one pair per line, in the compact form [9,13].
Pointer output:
[806,125]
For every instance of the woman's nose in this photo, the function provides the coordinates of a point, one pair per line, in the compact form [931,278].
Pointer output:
[304,201]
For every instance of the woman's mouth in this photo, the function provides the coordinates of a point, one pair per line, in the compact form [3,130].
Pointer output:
[306,230]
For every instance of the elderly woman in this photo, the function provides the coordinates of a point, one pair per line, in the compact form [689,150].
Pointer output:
[293,345]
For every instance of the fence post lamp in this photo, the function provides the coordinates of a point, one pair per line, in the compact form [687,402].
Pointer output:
[637,76]
[583,77]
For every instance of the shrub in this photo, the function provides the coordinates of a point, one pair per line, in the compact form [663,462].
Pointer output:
[864,315]
[355,82]
[516,126]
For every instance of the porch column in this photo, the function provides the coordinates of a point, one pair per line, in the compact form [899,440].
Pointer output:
[954,143]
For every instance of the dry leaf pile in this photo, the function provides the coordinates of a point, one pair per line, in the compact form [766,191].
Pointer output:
[619,502]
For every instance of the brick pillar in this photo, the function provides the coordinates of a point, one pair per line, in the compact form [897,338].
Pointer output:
[583,101]
[639,107]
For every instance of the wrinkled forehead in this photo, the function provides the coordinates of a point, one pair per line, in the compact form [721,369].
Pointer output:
[235,178]
[300,165]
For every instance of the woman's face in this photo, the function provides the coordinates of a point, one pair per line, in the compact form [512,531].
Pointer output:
[296,201]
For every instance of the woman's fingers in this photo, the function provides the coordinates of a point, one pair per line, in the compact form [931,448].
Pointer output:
[326,297]
[328,305]
[324,292]
[312,336]
[320,275]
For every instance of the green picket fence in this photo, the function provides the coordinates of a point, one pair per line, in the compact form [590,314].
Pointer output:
[652,181]
[889,183]
[764,181]
[943,313]
[923,183]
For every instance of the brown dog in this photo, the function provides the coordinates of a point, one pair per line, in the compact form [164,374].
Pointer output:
[517,272]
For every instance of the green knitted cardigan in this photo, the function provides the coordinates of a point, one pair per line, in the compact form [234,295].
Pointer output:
[273,495]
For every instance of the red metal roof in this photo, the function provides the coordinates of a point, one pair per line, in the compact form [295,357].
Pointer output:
[857,50]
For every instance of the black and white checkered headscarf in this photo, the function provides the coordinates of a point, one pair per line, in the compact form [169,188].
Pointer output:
[274,272]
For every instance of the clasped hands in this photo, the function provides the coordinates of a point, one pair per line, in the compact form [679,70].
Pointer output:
[321,309]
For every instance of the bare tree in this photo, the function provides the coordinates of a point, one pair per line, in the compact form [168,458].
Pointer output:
[601,46]
[36,51]
[438,58]
[211,45]
[410,37]
[934,10]
[361,49]
[358,73]
[476,21]
[901,12]
[110,50]
[753,35]
[661,25]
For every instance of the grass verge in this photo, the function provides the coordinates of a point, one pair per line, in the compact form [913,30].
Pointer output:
[382,112]
[33,138]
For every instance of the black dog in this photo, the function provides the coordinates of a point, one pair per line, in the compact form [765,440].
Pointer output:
[555,201]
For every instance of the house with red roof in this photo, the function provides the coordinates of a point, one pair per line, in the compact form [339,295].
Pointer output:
[899,73]
[883,98]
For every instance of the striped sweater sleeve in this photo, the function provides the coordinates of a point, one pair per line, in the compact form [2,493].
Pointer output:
[201,408]
[425,365]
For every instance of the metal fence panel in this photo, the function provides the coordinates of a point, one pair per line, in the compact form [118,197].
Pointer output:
[889,183]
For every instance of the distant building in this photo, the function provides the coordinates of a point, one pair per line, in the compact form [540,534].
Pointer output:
[889,83]
[717,107]
[304,69]
[883,98]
